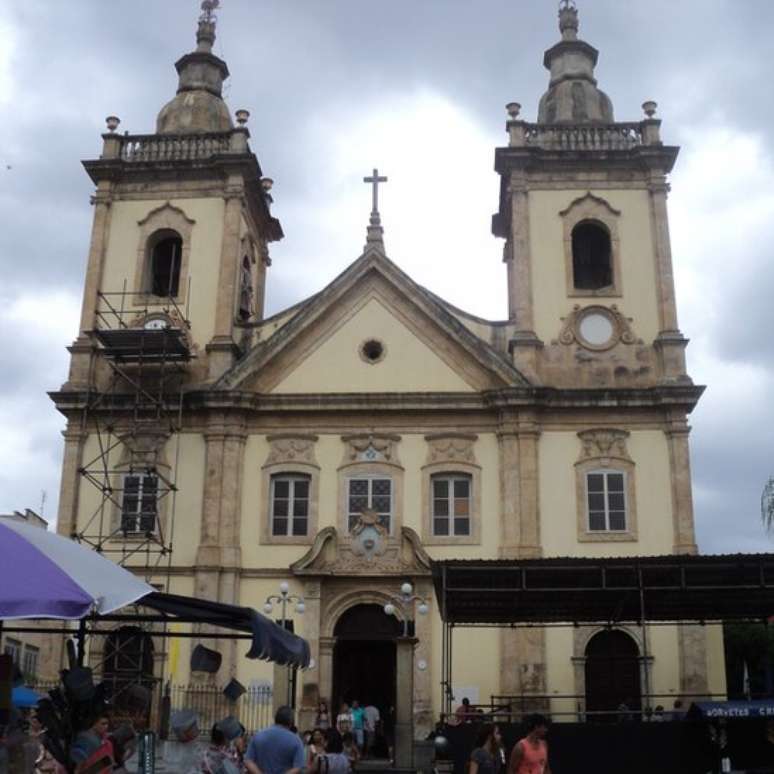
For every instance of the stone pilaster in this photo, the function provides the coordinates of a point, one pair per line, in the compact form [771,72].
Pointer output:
[682,495]
[670,344]
[325,666]
[423,705]
[404,710]
[70,485]
[522,651]
[508,441]
[222,348]
[219,557]
[80,351]
[524,344]
[693,660]
[529,500]
[310,678]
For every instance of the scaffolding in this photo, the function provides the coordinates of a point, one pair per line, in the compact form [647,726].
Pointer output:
[134,415]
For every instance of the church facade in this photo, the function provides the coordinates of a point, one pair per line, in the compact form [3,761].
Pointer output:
[341,444]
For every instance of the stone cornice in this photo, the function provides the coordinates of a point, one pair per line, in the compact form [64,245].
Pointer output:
[682,396]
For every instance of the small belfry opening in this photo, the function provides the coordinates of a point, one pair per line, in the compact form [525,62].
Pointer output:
[592,256]
[166,249]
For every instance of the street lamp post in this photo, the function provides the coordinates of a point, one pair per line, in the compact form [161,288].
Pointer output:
[402,606]
[283,599]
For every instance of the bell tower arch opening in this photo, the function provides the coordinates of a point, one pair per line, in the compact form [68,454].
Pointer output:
[364,661]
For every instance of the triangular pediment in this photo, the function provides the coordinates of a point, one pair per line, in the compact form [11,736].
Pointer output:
[321,349]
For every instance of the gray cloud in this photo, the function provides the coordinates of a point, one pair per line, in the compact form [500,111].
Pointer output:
[312,73]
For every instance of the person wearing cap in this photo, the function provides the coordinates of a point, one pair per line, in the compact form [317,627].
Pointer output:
[234,732]
[183,754]
[276,750]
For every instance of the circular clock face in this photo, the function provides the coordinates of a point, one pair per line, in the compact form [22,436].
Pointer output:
[156,324]
[596,328]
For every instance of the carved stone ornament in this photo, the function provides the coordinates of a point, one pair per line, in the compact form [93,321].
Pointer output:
[367,551]
[604,443]
[450,447]
[291,449]
[369,537]
[372,447]
[596,328]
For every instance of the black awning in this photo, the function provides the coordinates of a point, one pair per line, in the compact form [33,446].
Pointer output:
[270,642]
[609,590]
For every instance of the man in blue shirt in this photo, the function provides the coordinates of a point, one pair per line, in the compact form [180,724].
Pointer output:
[276,750]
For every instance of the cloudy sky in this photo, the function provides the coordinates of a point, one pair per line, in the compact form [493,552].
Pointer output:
[418,88]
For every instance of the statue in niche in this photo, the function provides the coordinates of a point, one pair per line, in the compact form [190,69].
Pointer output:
[246,290]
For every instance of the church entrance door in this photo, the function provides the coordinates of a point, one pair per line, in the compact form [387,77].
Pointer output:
[612,675]
[364,661]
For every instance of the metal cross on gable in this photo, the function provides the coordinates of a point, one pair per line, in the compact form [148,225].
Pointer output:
[375,180]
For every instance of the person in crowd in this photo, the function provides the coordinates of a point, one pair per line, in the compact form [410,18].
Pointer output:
[530,754]
[463,713]
[184,751]
[124,741]
[92,749]
[276,750]
[344,720]
[315,747]
[358,724]
[216,758]
[678,710]
[486,758]
[323,718]
[332,760]
[372,718]
[350,748]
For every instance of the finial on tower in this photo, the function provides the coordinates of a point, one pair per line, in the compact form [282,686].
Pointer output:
[208,8]
[375,232]
[568,19]
[205,34]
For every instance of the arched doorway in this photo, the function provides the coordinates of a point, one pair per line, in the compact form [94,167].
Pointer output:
[128,669]
[364,660]
[612,673]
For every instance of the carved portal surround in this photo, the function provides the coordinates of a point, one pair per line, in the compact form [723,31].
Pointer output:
[582,636]
[342,570]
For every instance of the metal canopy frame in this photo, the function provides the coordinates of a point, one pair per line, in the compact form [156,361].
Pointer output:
[569,592]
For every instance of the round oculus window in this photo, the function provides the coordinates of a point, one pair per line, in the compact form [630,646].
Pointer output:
[596,329]
[372,351]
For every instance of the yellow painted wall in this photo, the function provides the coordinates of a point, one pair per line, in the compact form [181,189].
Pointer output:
[335,364]
[203,264]
[716,661]
[558,453]
[551,301]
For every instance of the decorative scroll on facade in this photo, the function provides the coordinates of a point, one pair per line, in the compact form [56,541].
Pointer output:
[290,449]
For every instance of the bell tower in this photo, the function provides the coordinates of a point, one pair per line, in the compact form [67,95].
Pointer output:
[182,223]
[583,210]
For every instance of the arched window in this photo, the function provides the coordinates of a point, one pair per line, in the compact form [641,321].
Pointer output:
[165,258]
[592,256]
[612,675]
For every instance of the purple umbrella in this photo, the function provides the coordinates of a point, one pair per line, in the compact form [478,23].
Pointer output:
[44,575]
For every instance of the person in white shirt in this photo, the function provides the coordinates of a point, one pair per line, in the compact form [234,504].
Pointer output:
[344,720]
[372,718]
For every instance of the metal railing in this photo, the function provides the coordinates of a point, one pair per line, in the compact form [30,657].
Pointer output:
[253,709]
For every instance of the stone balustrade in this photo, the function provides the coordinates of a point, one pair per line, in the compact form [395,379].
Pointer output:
[173,147]
[581,137]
